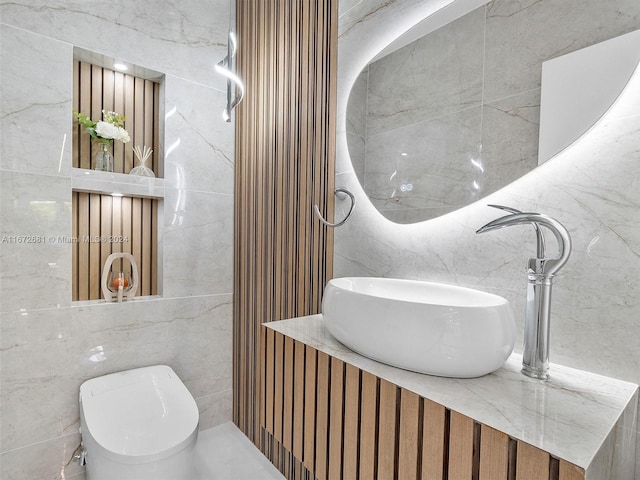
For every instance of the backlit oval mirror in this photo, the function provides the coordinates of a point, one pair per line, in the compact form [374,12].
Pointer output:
[437,122]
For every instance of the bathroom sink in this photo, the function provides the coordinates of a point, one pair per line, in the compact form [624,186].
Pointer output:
[424,327]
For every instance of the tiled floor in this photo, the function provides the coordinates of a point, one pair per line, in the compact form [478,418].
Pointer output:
[224,453]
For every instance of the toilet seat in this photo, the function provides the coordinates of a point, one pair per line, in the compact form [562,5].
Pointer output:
[140,415]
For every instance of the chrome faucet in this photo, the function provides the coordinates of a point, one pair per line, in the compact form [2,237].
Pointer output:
[540,273]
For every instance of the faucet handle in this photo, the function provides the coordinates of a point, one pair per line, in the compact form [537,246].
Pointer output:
[539,235]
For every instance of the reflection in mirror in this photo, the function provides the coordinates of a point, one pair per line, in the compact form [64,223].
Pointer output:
[446,120]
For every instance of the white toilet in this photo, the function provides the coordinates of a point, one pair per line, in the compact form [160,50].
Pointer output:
[139,424]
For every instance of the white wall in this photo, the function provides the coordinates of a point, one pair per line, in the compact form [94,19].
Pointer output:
[48,344]
[594,189]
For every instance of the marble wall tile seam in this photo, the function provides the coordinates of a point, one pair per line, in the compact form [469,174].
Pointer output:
[489,102]
[193,190]
[478,105]
[40,442]
[200,84]
[32,32]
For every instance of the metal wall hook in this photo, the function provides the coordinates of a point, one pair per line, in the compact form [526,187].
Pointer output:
[353,204]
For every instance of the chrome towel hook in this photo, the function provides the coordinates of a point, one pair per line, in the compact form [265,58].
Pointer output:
[353,204]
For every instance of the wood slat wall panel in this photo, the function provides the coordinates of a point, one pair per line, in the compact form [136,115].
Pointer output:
[100,223]
[96,89]
[284,163]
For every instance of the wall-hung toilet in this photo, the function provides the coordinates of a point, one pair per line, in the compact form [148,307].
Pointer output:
[139,424]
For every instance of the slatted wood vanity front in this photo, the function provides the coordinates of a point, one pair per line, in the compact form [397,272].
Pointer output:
[328,413]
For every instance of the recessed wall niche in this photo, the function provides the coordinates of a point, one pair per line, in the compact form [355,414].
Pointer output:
[115,212]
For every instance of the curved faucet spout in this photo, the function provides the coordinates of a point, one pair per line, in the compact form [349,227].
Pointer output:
[539,235]
[551,266]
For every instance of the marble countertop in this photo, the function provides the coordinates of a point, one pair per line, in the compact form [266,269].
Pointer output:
[569,415]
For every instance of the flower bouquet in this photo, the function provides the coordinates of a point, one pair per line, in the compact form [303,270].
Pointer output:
[104,132]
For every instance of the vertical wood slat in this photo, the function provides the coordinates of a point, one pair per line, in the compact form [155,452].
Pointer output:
[322,416]
[287,415]
[278,392]
[568,471]
[106,214]
[351,424]
[494,454]
[310,409]
[119,148]
[460,447]
[74,248]
[387,430]
[410,431]
[368,424]
[336,409]
[298,397]
[83,247]
[531,463]
[94,271]
[433,441]
[270,381]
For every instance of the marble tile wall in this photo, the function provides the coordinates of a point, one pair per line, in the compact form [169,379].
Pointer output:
[48,344]
[592,188]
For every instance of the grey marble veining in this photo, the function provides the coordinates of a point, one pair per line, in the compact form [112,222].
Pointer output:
[48,344]
[198,243]
[521,34]
[49,353]
[167,36]
[35,212]
[569,416]
[436,75]
[426,164]
[199,145]
[35,101]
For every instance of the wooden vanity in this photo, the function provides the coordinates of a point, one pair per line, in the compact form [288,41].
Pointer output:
[329,413]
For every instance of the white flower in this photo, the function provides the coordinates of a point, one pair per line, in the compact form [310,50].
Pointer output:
[123,135]
[109,130]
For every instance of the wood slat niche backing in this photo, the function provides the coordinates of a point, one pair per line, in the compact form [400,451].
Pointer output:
[285,154]
[95,89]
[103,225]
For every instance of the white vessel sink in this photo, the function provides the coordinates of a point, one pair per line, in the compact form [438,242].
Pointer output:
[424,327]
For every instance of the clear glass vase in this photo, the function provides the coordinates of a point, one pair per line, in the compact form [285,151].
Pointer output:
[142,170]
[103,159]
